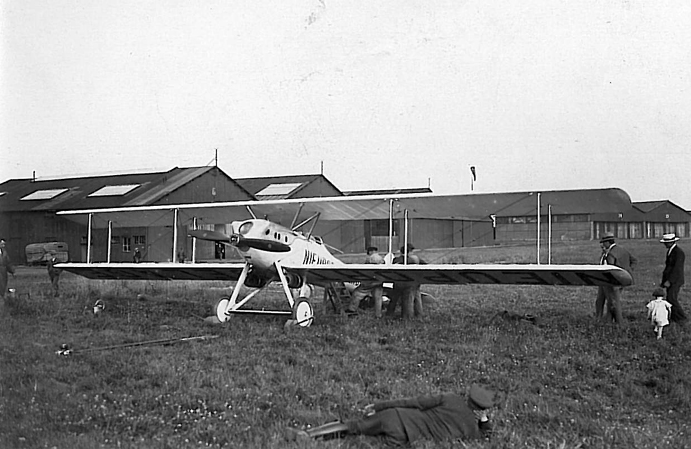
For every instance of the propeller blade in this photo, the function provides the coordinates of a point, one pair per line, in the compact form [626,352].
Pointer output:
[260,244]
[213,236]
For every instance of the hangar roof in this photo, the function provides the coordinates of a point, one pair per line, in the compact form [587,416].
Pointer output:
[663,210]
[292,186]
[141,189]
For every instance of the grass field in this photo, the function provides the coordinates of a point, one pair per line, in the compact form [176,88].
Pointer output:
[569,382]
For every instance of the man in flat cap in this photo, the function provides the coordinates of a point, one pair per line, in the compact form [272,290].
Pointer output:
[612,254]
[673,277]
[439,417]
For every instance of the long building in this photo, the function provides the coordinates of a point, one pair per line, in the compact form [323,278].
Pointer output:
[28,207]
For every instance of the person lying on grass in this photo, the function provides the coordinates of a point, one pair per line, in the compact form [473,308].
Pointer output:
[439,417]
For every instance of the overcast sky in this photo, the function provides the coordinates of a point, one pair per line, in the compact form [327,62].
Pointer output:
[537,95]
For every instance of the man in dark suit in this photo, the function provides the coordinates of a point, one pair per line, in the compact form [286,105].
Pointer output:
[673,276]
[400,422]
[5,267]
[613,254]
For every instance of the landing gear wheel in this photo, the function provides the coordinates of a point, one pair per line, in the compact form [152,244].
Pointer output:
[220,308]
[303,314]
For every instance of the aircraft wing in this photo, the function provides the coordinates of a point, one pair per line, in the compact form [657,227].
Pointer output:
[362,207]
[575,275]
[156,271]
[283,211]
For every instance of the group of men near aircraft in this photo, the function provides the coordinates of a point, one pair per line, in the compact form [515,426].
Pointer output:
[406,293]
[607,303]
[672,278]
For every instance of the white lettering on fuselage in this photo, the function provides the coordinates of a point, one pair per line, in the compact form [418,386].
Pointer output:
[312,258]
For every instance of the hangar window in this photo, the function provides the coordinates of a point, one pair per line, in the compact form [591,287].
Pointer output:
[573,218]
[279,189]
[114,190]
[47,194]
[126,244]
[140,240]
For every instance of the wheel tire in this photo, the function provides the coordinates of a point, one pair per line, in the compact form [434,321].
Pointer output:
[221,306]
[303,313]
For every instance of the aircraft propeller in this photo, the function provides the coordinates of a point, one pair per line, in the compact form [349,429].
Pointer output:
[239,241]
[212,236]
[261,244]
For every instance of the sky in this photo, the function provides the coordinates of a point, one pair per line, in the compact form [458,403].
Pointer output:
[537,95]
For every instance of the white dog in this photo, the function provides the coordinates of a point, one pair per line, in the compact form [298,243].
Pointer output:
[658,311]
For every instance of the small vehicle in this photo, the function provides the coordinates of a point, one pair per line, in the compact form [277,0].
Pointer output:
[40,253]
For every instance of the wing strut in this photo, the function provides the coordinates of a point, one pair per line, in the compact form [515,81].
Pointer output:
[110,238]
[194,241]
[175,235]
[284,283]
[297,214]
[405,236]
[88,239]
[389,255]
[314,217]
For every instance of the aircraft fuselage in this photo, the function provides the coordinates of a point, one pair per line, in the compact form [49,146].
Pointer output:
[263,243]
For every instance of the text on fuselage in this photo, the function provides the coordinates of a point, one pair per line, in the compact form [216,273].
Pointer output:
[312,258]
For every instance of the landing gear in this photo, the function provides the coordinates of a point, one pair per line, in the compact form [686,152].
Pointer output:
[303,314]
[223,304]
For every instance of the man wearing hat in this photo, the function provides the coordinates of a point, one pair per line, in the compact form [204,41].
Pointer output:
[374,289]
[439,417]
[612,254]
[673,277]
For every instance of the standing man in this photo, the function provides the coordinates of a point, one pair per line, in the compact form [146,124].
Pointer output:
[54,274]
[612,254]
[5,267]
[375,289]
[673,277]
[407,293]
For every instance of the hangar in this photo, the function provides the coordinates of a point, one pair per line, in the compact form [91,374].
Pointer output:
[28,206]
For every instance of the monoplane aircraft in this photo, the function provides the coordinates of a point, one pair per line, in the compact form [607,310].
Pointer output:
[291,255]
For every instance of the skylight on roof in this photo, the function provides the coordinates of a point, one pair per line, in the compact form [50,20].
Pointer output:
[120,190]
[279,189]
[47,194]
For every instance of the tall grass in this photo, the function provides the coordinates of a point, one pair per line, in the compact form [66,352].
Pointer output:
[569,381]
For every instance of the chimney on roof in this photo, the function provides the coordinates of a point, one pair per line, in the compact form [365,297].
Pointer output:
[33,176]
